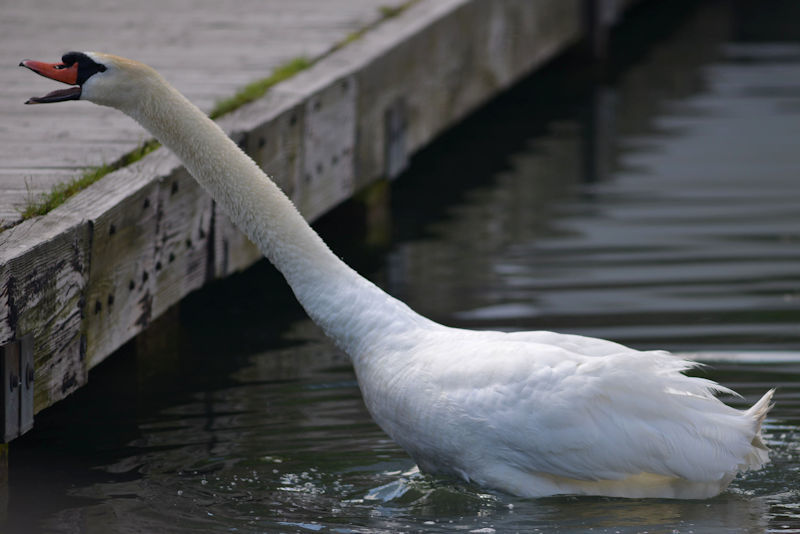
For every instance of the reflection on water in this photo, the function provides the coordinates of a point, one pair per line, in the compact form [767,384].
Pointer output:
[686,229]
[658,207]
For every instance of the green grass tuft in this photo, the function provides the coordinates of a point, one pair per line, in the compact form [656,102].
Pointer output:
[388,12]
[61,192]
[257,89]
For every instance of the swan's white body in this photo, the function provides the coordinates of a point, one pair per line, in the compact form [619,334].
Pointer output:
[530,413]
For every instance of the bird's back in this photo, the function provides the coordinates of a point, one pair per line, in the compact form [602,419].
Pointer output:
[539,413]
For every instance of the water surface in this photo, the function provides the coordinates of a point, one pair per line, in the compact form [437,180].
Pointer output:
[655,203]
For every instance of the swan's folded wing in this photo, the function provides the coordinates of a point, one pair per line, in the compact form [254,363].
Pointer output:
[589,418]
[583,345]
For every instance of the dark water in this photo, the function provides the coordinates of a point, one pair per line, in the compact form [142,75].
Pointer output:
[656,203]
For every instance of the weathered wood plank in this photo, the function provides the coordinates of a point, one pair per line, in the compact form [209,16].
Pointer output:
[439,77]
[328,174]
[183,223]
[18,154]
[149,250]
[44,267]
[123,210]
[233,251]
[119,295]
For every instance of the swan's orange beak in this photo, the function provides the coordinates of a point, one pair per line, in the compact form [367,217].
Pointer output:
[55,71]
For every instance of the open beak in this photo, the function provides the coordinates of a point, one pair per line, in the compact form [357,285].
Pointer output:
[59,72]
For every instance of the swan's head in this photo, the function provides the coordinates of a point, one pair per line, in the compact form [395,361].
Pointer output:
[100,78]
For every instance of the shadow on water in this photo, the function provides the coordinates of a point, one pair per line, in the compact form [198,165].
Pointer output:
[652,201]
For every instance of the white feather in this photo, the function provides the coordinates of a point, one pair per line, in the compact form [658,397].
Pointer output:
[522,413]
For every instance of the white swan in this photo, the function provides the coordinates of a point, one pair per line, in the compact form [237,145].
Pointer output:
[529,413]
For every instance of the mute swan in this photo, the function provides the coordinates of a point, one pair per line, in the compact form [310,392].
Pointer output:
[528,413]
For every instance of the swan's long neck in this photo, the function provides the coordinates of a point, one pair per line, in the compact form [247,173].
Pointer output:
[350,309]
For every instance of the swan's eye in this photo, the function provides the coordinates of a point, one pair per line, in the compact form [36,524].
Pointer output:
[59,67]
[85,65]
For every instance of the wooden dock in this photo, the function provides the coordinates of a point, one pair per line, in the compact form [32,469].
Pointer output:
[79,282]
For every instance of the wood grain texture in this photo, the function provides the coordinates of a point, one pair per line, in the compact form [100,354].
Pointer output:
[148,252]
[126,211]
[329,137]
[119,295]
[183,221]
[42,285]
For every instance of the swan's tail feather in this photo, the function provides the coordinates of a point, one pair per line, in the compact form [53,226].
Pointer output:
[759,455]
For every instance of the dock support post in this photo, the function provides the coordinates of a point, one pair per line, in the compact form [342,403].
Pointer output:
[4,482]
[10,386]
[395,145]
[599,16]
[375,199]
[16,383]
